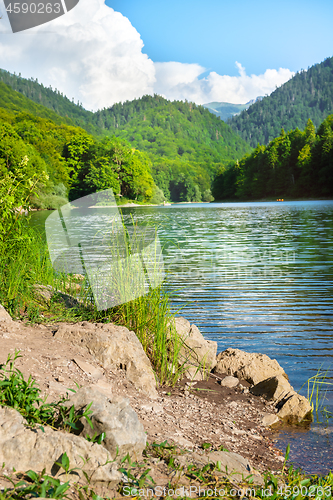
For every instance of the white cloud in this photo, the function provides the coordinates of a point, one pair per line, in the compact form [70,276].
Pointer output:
[181,81]
[95,55]
[92,53]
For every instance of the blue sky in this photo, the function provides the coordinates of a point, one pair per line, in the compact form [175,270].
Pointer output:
[260,34]
[102,52]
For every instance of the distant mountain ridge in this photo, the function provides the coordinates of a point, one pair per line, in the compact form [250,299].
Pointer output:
[308,94]
[226,110]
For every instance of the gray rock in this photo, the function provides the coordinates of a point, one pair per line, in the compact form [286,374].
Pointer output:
[229,464]
[115,347]
[4,316]
[114,417]
[25,448]
[230,382]
[252,367]
[294,408]
[273,388]
[197,354]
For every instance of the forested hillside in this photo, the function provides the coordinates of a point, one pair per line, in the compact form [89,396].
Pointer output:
[186,144]
[309,94]
[48,98]
[297,164]
[62,160]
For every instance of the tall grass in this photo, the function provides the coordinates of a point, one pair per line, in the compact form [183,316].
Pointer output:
[149,316]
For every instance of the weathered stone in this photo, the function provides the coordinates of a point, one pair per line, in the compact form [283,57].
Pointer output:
[270,419]
[197,354]
[230,464]
[115,347]
[24,448]
[230,382]
[294,408]
[113,416]
[252,367]
[4,316]
[273,388]
[89,369]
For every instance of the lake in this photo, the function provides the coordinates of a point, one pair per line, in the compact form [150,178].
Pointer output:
[258,277]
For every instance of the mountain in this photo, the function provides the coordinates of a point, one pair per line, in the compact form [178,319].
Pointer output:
[309,94]
[185,144]
[226,110]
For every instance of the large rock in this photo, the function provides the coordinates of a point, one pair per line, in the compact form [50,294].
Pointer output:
[232,465]
[4,316]
[115,347]
[294,408]
[273,388]
[113,416]
[25,448]
[252,367]
[197,354]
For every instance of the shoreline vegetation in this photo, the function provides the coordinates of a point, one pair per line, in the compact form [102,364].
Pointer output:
[34,294]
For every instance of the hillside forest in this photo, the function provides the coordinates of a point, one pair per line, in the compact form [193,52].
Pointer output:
[151,150]
[294,164]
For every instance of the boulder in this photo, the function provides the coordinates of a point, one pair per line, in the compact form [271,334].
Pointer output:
[4,316]
[230,464]
[294,408]
[115,347]
[23,448]
[197,354]
[252,367]
[273,388]
[113,416]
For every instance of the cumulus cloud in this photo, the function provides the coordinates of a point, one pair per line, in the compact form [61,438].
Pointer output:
[92,53]
[182,81]
[95,55]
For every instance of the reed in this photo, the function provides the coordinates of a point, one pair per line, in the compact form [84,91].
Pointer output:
[148,315]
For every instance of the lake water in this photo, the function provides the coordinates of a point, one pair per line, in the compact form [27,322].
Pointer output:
[258,277]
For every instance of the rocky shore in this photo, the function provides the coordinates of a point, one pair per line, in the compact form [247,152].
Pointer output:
[222,412]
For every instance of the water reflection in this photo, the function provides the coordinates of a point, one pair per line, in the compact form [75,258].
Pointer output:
[258,277]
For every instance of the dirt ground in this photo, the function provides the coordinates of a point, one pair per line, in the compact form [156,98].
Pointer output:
[187,415]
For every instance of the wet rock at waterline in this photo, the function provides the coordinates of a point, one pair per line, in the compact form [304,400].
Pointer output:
[114,417]
[252,367]
[294,408]
[197,353]
[115,347]
[273,388]
[23,448]
[291,406]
